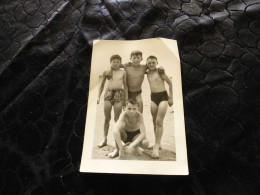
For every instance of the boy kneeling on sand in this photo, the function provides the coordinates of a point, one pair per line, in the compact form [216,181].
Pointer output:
[130,128]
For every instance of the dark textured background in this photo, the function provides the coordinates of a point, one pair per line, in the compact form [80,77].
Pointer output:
[45,53]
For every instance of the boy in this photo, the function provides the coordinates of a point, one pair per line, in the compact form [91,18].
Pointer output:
[135,76]
[159,101]
[129,128]
[114,96]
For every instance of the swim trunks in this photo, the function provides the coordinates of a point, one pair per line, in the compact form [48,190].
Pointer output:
[131,135]
[113,96]
[134,94]
[158,97]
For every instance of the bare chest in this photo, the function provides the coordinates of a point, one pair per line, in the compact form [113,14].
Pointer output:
[154,77]
[134,72]
[131,124]
[117,76]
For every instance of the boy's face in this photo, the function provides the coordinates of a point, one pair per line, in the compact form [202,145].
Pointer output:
[136,59]
[131,109]
[115,63]
[151,63]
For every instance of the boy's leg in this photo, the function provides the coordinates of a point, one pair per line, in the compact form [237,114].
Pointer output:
[140,102]
[107,112]
[162,108]
[115,152]
[117,109]
[154,110]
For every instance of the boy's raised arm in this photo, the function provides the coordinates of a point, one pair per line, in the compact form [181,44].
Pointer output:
[116,132]
[101,88]
[169,82]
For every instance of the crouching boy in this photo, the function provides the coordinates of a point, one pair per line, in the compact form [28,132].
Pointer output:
[130,129]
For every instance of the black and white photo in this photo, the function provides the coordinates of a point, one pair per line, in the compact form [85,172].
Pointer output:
[135,115]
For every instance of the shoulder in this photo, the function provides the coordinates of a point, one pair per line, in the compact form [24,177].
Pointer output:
[161,70]
[139,115]
[121,119]
[122,72]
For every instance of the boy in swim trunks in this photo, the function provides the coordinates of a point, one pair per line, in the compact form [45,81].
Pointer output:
[130,129]
[114,95]
[135,76]
[160,100]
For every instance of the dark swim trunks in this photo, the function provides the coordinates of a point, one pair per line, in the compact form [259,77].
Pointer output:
[131,135]
[158,97]
[134,94]
[113,96]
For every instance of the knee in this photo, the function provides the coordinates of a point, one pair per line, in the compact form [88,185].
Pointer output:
[145,144]
[159,122]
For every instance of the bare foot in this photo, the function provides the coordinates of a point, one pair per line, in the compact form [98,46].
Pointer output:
[139,151]
[113,154]
[155,153]
[151,147]
[102,144]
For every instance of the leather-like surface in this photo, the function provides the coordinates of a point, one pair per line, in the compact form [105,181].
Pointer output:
[45,55]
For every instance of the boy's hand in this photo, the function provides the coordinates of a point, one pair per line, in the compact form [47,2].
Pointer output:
[98,100]
[170,102]
[129,150]
[161,70]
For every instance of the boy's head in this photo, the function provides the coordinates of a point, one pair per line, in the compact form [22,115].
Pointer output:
[136,57]
[151,62]
[115,61]
[131,106]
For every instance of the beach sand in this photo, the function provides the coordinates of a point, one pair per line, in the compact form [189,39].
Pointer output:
[167,153]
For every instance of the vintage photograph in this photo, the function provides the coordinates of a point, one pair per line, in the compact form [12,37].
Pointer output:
[135,109]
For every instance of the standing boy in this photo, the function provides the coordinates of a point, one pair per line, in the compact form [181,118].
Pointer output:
[130,129]
[135,76]
[114,96]
[160,100]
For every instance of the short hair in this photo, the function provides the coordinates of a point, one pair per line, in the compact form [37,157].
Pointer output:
[136,53]
[132,101]
[113,57]
[152,57]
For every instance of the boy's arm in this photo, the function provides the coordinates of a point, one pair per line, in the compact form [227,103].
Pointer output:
[161,70]
[124,65]
[101,86]
[142,135]
[116,132]
[169,82]
[125,87]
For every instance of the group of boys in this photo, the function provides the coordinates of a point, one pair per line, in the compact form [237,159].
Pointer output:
[129,125]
